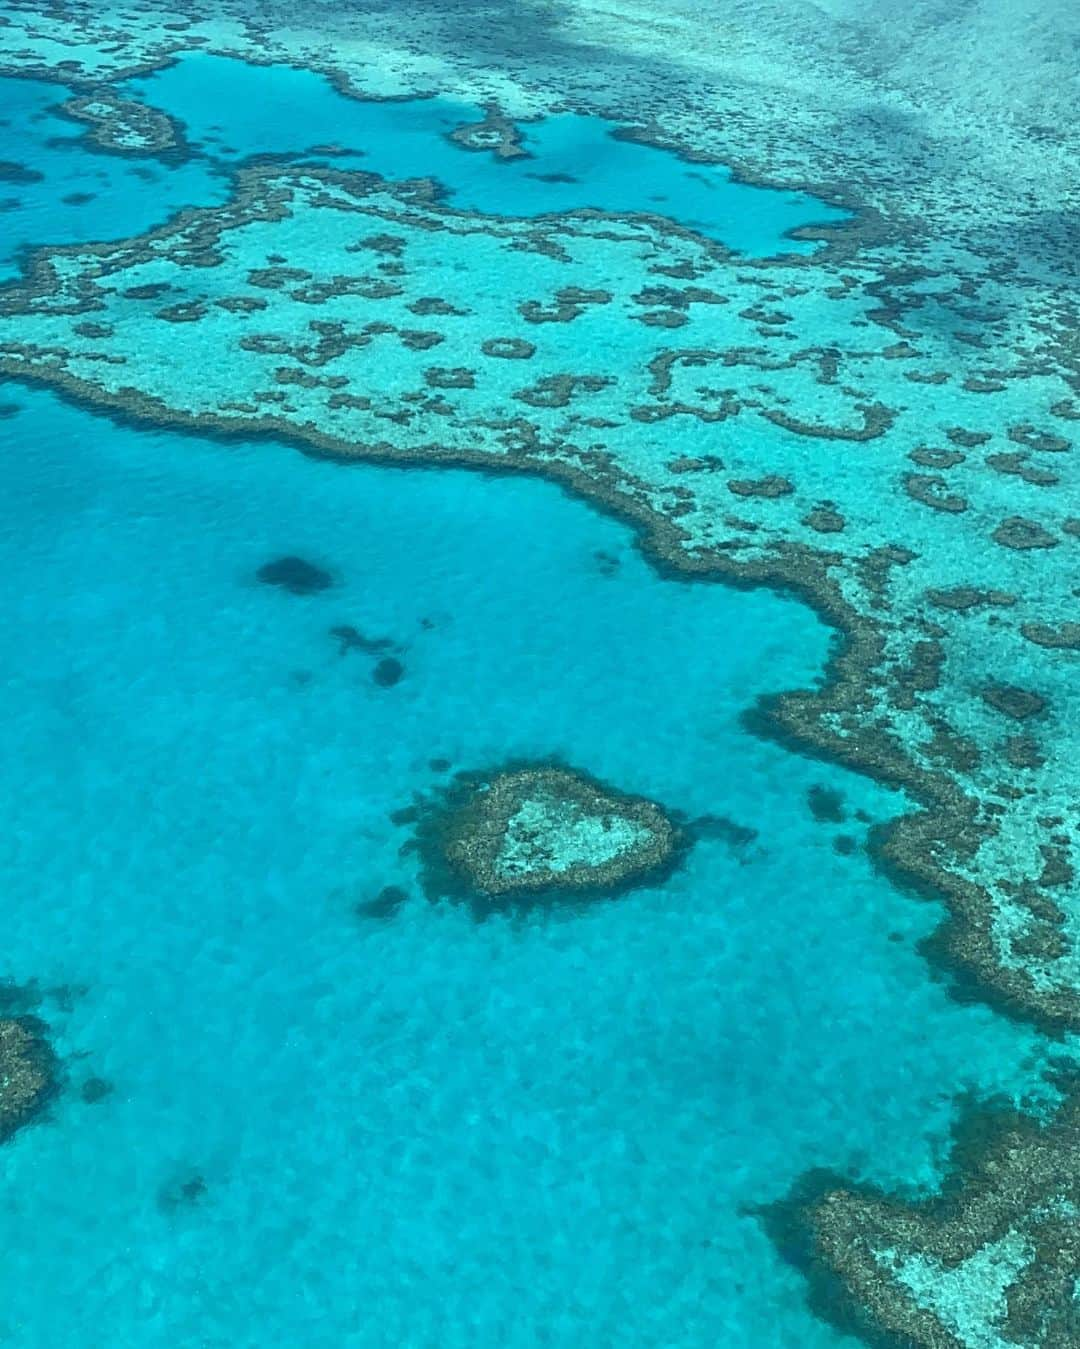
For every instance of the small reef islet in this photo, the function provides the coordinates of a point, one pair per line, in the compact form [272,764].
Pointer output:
[27,1072]
[122,126]
[541,830]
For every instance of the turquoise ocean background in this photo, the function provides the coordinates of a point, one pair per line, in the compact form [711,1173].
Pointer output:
[327,1129]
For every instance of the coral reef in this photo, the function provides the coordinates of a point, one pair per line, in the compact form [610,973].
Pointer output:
[885,427]
[541,830]
[121,126]
[319,346]
[296,575]
[496,135]
[993,1259]
[27,1072]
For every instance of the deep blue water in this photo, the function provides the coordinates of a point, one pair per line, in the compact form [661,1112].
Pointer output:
[328,1130]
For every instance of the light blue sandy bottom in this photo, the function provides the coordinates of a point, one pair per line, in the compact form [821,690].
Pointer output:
[422,1132]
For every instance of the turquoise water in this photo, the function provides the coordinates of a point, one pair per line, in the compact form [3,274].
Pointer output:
[426,1131]
[330,1130]
[233,111]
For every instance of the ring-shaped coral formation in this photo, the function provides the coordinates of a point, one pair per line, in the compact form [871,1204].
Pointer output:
[539,830]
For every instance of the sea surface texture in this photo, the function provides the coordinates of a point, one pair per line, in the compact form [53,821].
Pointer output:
[540,675]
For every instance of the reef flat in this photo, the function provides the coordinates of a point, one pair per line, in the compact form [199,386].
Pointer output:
[991,1260]
[543,829]
[751,420]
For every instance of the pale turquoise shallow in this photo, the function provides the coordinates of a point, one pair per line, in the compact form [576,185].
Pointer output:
[423,1132]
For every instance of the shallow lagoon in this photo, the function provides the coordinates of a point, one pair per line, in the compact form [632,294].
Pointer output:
[427,1130]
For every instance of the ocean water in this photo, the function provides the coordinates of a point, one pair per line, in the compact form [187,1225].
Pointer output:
[422,1131]
[326,1129]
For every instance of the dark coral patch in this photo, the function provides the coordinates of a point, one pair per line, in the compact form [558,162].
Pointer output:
[931,490]
[183,1191]
[769,487]
[553,177]
[1065,637]
[95,1089]
[959,435]
[496,134]
[434,304]
[439,377]
[1012,701]
[1046,442]
[961,599]
[939,459]
[1022,535]
[352,639]
[11,172]
[1022,751]
[295,575]
[508,348]
[28,1072]
[384,905]
[826,804]
[1017,466]
[738,837]
[825,520]
[388,672]
[663,318]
